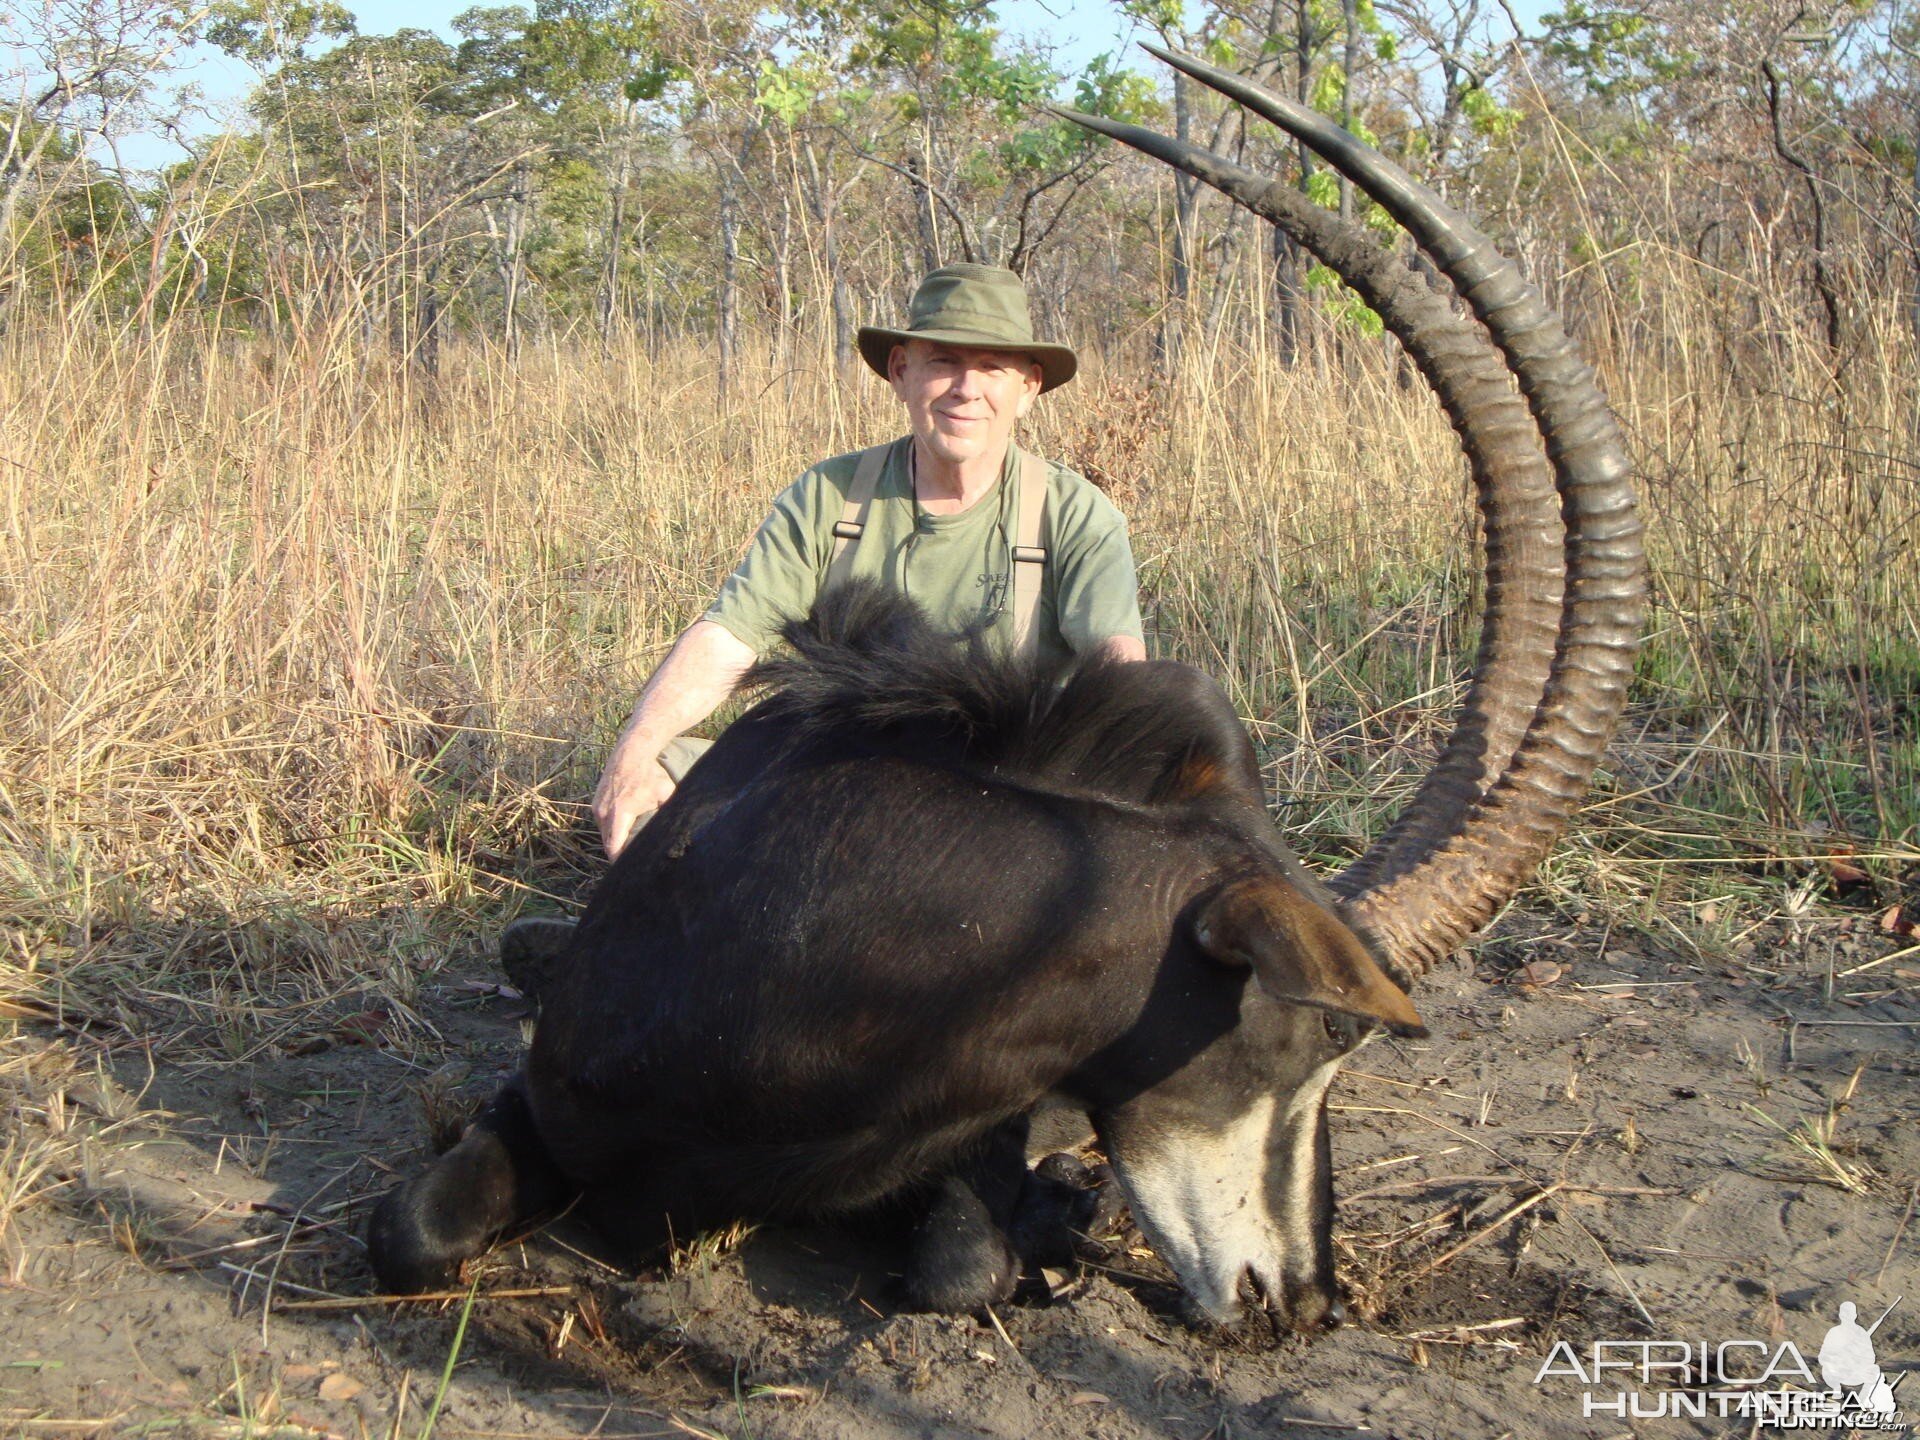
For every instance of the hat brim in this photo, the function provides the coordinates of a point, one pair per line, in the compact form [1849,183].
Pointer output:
[1057,363]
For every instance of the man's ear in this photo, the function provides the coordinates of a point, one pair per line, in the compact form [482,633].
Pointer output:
[1036,377]
[1300,952]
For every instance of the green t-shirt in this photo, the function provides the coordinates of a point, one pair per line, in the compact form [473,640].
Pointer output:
[958,567]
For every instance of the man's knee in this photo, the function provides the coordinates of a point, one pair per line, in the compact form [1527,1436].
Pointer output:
[678,758]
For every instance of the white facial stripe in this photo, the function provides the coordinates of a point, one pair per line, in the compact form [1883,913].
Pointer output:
[1297,1212]
[1201,1199]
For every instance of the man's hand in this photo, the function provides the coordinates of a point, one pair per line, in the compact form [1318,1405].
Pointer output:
[698,673]
[634,786]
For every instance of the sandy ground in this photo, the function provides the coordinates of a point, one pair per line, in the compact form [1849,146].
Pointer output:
[1647,1144]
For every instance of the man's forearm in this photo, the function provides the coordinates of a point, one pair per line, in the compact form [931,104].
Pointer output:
[702,669]
[1122,647]
[700,672]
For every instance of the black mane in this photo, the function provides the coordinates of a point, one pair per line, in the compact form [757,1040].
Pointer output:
[867,664]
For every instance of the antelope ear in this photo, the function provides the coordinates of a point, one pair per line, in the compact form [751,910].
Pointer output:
[1300,951]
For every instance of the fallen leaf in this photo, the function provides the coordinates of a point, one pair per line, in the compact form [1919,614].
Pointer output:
[300,1372]
[1844,873]
[1537,972]
[362,1028]
[1897,922]
[338,1387]
[1088,1397]
[1708,913]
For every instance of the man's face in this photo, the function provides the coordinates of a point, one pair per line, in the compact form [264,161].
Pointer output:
[962,402]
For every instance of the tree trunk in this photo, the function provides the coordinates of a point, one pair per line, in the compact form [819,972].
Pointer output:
[608,301]
[1237,220]
[1822,277]
[427,343]
[822,202]
[506,228]
[923,212]
[727,301]
[1350,18]
[1287,296]
[1914,230]
[782,244]
[843,326]
[1171,339]
[1287,263]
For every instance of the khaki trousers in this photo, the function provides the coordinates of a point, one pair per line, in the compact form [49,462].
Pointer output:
[676,760]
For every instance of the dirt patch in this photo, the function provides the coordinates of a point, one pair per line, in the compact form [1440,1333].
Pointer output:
[1602,1140]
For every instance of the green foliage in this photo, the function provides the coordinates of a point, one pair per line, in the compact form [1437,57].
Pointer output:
[1103,88]
[265,32]
[1487,115]
[1219,51]
[597,52]
[1347,307]
[1164,16]
[1329,89]
[787,91]
[80,231]
[1615,51]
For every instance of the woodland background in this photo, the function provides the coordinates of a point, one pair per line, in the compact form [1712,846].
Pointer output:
[709,171]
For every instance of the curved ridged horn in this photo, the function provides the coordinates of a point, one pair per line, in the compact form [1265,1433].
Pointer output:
[1518,504]
[1550,678]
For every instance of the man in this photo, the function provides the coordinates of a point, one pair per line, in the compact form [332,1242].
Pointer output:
[938,514]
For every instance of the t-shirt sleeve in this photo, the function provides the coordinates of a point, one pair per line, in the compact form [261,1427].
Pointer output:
[779,577]
[1097,594]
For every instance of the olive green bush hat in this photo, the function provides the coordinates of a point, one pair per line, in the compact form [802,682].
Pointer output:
[980,306]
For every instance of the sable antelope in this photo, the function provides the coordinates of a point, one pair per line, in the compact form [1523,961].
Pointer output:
[920,889]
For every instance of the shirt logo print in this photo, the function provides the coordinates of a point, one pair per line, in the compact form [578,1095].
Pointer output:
[992,585]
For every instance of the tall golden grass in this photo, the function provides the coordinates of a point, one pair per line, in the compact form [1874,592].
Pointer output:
[310,661]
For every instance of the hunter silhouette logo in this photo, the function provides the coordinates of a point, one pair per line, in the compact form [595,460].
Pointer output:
[1768,1382]
[1846,1363]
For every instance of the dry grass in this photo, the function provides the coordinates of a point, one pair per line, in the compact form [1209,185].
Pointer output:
[310,660]
[57,1113]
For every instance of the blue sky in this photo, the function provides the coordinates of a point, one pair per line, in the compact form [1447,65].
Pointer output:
[1078,29]
[1081,29]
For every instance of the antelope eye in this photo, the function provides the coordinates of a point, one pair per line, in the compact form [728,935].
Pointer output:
[1345,1031]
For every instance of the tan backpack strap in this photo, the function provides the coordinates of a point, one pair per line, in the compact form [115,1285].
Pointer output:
[853,516]
[1029,555]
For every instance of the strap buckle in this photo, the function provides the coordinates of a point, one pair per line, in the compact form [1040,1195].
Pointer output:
[1030,554]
